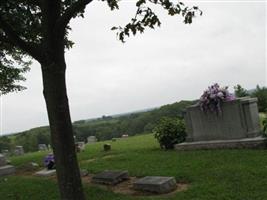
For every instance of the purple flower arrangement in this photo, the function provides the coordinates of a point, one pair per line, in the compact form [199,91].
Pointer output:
[213,97]
[49,160]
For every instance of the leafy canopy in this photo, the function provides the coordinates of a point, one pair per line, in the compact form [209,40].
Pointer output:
[28,27]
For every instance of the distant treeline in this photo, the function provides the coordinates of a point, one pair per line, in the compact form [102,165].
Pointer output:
[103,128]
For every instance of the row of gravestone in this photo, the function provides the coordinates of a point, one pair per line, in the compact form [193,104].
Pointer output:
[154,184]
[18,151]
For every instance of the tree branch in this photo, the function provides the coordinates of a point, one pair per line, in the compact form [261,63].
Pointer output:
[70,12]
[30,48]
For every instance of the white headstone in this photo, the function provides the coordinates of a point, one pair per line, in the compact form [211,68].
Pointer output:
[91,139]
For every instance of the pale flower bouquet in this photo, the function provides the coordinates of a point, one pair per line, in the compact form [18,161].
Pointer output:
[213,97]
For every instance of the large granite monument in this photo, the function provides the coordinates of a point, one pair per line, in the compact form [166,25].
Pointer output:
[236,126]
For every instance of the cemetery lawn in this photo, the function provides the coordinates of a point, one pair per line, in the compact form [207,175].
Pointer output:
[210,174]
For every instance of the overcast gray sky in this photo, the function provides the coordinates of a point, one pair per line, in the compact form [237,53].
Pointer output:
[175,62]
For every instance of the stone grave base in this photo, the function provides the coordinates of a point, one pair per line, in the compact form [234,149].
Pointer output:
[7,170]
[46,172]
[155,184]
[110,177]
[247,143]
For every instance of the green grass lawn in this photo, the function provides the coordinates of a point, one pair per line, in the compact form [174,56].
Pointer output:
[211,175]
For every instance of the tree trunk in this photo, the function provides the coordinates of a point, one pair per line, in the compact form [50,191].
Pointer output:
[55,94]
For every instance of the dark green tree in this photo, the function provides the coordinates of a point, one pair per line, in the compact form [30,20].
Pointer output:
[5,143]
[38,29]
[240,91]
[261,94]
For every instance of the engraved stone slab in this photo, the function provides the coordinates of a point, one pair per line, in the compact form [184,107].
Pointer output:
[107,147]
[239,119]
[155,184]
[80,146]
[2,160]
[110,177]
[7,170]
[46,172]
[91,139]
[19,150]
[42,147]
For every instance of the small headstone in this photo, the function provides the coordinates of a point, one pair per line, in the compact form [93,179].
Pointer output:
[107,147]
[155,184]
[110,177]
[91,139]
[80,146]
[83,172]
[4,168]
[7,170]
[125,136]
[33,164]
[2,160]
[5,152]
[46,172]
[42,147]
[19,150]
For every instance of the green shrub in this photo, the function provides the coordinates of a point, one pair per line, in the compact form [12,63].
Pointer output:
[170,132]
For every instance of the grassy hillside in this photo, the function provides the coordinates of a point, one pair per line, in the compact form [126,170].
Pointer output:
[103,128]
[216,174]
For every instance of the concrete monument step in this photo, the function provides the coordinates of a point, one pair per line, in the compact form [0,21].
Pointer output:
[7,170]
[250,143]
[155,184]
[110,177]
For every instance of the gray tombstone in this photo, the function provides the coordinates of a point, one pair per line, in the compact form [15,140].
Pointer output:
[42,147]
[107,147]
[2,160]
[125,136]
[5,152]
[155,184]
[80,146]
[19,150]
[110,177]
[4,168]
[46,172]
[238,120]
[91,139]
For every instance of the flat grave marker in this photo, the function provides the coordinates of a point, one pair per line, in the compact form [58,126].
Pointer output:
[155,184]
[46,172]
[4,168]
[110,177]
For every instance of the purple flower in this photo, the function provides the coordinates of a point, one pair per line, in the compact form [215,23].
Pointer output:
[50,157]
[212,98]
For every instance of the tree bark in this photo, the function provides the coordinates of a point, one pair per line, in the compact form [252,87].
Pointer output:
[55,94]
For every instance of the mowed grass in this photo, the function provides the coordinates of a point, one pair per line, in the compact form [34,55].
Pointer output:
[213,174]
